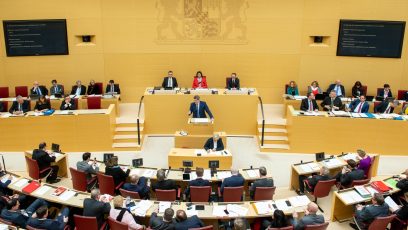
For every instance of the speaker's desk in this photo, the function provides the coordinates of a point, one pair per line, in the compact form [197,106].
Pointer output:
[195,141]
[177,156]
[60,161]
[234,114]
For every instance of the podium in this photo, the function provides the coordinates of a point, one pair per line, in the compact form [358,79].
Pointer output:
[202,126]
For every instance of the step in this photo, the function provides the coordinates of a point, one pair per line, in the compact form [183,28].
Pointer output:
[271,122]
[124,137]
[274,138]
[127,120]
[128,129]
[275,147]
[273,130]
[126,146]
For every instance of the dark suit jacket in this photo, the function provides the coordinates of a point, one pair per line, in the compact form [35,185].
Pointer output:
[24,106]
[209,144]
[165,82]
[202,109]
[316,178]
[43,158]
[403,185]
[263,182]
[381,93]
[370,212]
[402,213]
[354,104]
[74,89]
[1,107]
[233,181]
[157,223]
[71,107]
[93,89]
[356,92]
[197,182]
[140,187]
[192,222]
[382,107]
[234,84]
[39,106]
[59,90]
[332,86]
[15,217]
[45,224]
[305,105]
[311,219]
[96,209]
[117,173]
[44,91]
[336,102]
[405,96]
[116,88]
[164,185]
[355,174]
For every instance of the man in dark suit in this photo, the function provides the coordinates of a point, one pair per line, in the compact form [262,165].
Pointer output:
[263,181]
[96,206]
[214,143]
[385,92]
[310,217]
[19,106]
[312,180]
[403,182]
[309,104]
[359,105]
[338,89]
[236,180]
[364,215]
[162,223]
[67,103]
[199,181]
[199,108]
[112,88]
[349,173]
[44,160]
[233,82]
[386,106]
[14,214]
[169,82]
[163,183]
[78,89]
[332,102]
[138,185]
[38,89]
[41,221]
[56,88]
[184,223]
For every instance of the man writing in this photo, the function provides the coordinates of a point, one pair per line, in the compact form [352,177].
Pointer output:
[214,144]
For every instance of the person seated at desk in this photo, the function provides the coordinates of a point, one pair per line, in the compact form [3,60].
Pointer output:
[86,167]
[38,90]
[114,170]
[112,88]
[292,89]
[332,102]
[199,108]
[338,89]
[233,82]
[387,106]
[402,213]
[169,82]
[138,185]
[214,144]
[44,159]
[199,181]
[17,216]
[121,214]
[39,219]
[163,183]
[97,206]
[162,223]
[68,103]
[312,181]
[364,215]
[309,104]
[56,88]
[236,180]
[279,220]
[42,104]
[365,161]
[349,173]
[19,106]
[263,181]
[184,223]
[314,88]
[385,92]
[359,105]
[310,217]
[93,88]
[357,90]
[200,81]
[78,89]
[404,110]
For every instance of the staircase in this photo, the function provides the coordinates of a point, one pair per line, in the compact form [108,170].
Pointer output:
[125,138]
[275,138]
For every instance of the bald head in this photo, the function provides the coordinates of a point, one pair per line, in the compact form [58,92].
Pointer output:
[134,179]
[234,171]
[181,215]
[312,208]
[338,82]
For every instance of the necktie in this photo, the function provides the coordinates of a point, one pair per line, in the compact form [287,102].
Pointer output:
[38,91]
[78,92]
[19,107]
[331,103]
[170,82]
[233,82]
[310,105]
[198,110]
[359,107]
[55,89]
[112,88]
[338,90]
[388,109]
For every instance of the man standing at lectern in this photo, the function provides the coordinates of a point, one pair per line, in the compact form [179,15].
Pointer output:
[199,108]
[214,143]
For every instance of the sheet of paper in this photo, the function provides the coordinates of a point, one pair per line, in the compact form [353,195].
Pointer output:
[20,183]
[306,168]
[281,204]
[134,172]
[299,201]
[66,195]
[6,178]
[356,197]
[219,211]
[334,162]
[148,173]
[355,115]
[346,198]
[237,209]
[311,113]
[223,174]
[314,166]
[253,173]
[141,208]
[163,205]
[42,190]
[206,176]
[263,208]
[371,190]
[362,191]
[192,211]
[350,156]
[363,115]
[200,151]
[5,115]
[391,203]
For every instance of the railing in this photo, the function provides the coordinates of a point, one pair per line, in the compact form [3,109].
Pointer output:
[263,121]
[138,120]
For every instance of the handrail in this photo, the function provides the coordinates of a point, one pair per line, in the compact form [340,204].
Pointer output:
[263,121]
[138,120]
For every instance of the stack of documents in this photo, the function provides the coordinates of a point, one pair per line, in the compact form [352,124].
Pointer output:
[391,203]
[163,205]
[141,208]
[350,156]
[311,113]
[351,197]
[236,210]
[206,176]
[359,115]
[299,201]
[20,183]
[253,173]
[219,210]
[341,113]
[223,174]
[66,195]
[191,212]
[148,173]
[42,190]
[202,152]
[331,163]
[310,167]
[282,205]
[200,120]
[264,207]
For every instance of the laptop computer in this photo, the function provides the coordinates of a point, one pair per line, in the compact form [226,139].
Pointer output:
[55,148]
[186,176]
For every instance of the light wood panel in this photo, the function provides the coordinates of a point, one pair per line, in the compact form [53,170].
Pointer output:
[177,155]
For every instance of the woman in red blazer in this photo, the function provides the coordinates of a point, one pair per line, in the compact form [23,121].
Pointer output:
[199,81]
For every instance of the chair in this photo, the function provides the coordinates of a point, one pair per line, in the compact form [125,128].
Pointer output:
[209,227]
[3,221]
[317,226]
[264,193]
[226,82]
[400,96]
[126,193]
[87,223]
[5,106]
[116,225]
[398,224]
[285,228]
[322,189]
[107,185]
[34,171]
[286,88]
[167,195]
[21,90]
[94,102]
[378,223]
[364,90]
[28,227]
[76,103]
[376,103]
[379,90]
[200,193]
[4,92]
[360,182]
[100,87]
[79,180]
[370,170]
[231,194]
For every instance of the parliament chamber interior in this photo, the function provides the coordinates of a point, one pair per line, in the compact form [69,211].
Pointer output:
[203,114]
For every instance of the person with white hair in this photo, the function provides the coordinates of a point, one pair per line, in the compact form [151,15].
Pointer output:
[312,181]
[214,143]
[19,106]
[236,180]
[310,218]
[338,88]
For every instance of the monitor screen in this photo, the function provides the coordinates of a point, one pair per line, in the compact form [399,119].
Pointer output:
[137,162]
[213,164]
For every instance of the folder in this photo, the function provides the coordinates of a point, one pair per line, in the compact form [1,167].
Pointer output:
[31,187]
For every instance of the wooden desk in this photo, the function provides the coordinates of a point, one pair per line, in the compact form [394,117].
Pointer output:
[192,141]
[177,155]
[60,161]
[233,114]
